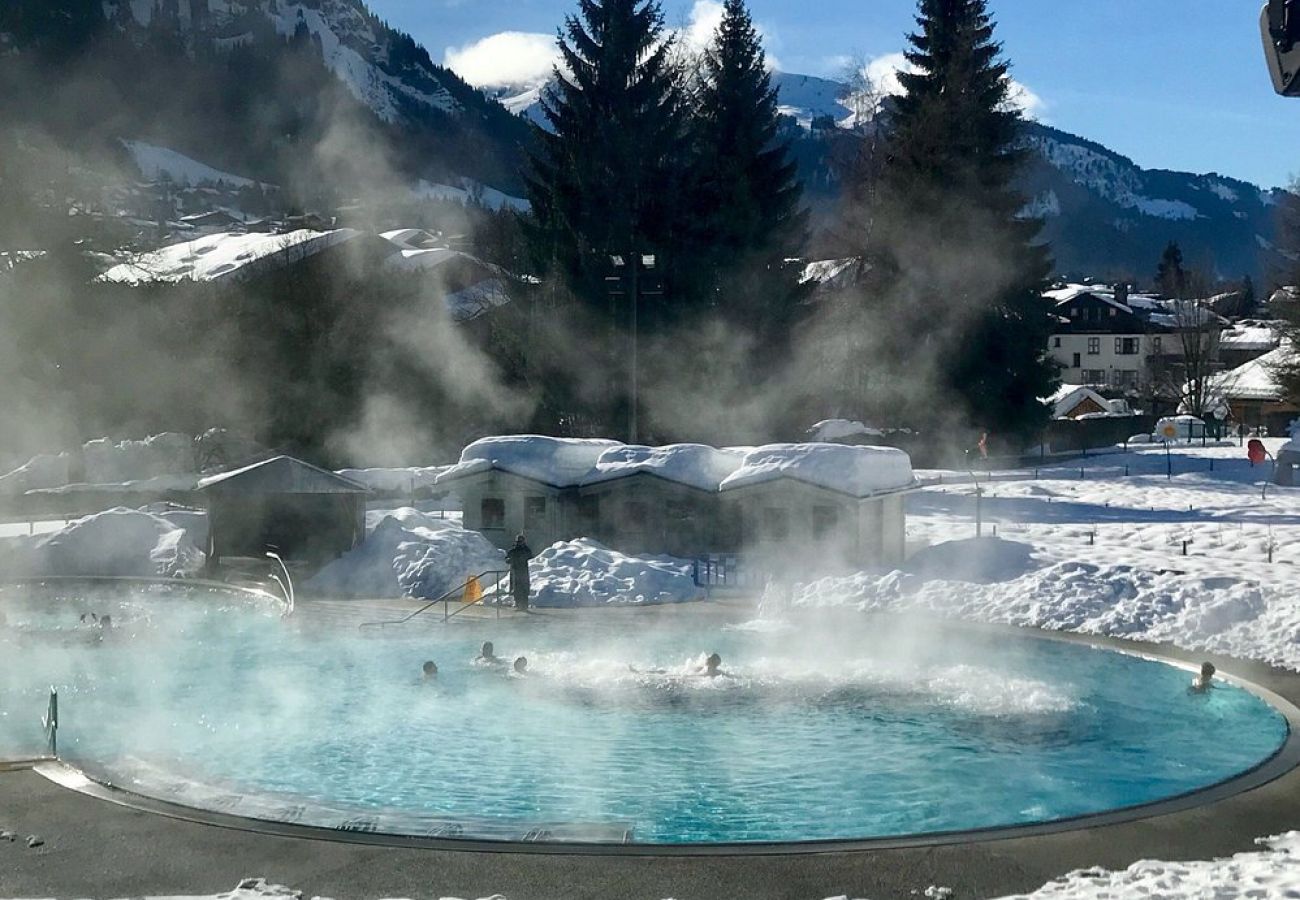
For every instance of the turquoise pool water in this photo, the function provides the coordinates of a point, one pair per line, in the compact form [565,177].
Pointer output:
[840,726]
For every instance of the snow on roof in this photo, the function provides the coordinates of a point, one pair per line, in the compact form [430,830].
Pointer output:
[826,271]
[1256,380]
[857,471]
[838,429]
[282,475]
[413,239]
[224,256]
[696,465]
[1068,396]
[560,462]
[1250,336]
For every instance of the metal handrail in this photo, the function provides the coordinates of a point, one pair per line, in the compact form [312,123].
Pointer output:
[445,598]
[496,593]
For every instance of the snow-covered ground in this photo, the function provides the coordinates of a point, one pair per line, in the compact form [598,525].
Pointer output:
[586,573]
[114,542]
[1104,554]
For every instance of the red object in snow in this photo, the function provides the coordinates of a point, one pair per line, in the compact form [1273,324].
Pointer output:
[1255,451]
[984,445]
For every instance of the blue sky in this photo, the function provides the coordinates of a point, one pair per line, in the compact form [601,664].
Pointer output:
[1176,84]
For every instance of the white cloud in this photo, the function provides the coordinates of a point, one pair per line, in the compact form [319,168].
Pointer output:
[514,58]
[882,72]
[702,24]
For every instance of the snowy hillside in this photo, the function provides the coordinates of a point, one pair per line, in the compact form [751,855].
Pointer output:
[355,45]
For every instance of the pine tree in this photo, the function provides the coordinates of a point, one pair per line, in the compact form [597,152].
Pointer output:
[1171,277]
[958,276]
[1284,306]
[749,193]
[606,180]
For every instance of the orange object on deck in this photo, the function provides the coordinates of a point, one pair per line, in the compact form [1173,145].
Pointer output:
[473,591]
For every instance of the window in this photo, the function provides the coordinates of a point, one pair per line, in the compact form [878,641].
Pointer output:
[1094,346]
[677,511]
[1155,346]
[492,512]
[1127,346]
[1129,378]
[588,512]
[1074,312]
[635,514]
[1094,376]
[776,523]
[825,521]
[1056,342]
[1076,362]
[534,513]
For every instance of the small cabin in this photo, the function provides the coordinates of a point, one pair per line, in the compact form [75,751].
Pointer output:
[302,511]
[772,504]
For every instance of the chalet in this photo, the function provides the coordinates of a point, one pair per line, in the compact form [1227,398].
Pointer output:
[1079,401]
[1110,338]
[688,500]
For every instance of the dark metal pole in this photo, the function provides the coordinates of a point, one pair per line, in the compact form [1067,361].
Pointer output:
[635,262]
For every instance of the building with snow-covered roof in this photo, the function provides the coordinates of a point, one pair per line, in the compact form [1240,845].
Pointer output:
[1071,401]
[237,256]
[300,510]
[522,483]
[1246,340]
[1253,394]
[1109,337]
[688,500]
[829,500]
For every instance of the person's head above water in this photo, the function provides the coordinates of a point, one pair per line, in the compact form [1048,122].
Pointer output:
[430,668]
[521,664]
[105,621]
[1207,671]
[711,664]
[487,651]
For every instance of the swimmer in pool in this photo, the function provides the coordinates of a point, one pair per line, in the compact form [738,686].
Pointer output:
[106,623]
[521,665]
[487,655]
[1203,682]
[711,666]
[430,670]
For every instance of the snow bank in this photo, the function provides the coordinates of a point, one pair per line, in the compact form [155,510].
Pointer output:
[408,554]
[586,573]
[121,542]
[1217,614]
[1273,871]
[858,471]
[226,256]
[562,462]
[693,464]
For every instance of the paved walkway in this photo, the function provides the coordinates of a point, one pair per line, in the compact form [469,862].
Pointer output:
[94,848]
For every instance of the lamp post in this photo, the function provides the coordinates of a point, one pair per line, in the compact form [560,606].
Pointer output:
[630,266]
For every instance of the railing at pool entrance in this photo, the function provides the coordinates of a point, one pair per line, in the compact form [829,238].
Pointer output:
[470,593]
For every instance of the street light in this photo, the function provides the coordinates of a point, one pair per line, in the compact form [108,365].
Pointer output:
[620,262]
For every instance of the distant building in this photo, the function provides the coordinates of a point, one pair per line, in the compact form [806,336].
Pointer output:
[1078,401]
[302,511]
[1111,338]
[1253,395]
[779,502]
[1246,340]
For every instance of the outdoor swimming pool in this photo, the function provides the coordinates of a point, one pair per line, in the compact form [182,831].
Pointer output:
[834,728]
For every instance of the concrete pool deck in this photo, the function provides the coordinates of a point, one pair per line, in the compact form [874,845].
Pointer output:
[94,848]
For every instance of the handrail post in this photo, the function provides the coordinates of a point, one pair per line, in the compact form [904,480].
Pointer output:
[51,723]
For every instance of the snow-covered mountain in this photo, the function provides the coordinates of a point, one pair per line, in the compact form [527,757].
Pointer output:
[382,68]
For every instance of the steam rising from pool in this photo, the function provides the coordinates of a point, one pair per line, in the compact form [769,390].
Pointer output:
[821,726]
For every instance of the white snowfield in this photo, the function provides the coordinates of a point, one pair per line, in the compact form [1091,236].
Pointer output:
[570,462]
[161,461]
[838,429]
[156,163]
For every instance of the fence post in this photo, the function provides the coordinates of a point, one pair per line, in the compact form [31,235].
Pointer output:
[51,723]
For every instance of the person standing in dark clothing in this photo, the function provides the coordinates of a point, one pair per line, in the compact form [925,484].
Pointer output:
[518,557]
